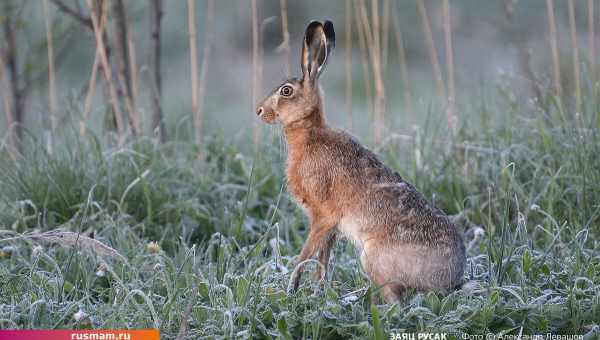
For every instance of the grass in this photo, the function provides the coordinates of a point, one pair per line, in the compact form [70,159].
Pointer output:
[153,223]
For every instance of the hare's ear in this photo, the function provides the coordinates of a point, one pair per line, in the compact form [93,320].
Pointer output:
[330,36]
[314,51]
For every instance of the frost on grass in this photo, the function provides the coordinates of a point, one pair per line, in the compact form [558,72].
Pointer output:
[130,256]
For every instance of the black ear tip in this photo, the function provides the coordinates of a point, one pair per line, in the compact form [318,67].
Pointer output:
[329,32]
[310,29]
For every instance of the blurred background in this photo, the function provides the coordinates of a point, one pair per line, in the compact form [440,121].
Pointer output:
[180,69]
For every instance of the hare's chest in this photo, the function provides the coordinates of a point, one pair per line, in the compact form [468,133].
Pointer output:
[309,181]
[305,183]
[296,186]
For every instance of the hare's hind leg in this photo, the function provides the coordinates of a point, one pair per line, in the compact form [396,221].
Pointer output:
[392,290]
[380,261]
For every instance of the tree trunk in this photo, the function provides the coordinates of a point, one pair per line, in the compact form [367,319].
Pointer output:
[121,42]
[524,54]
[17,92]
[158,123]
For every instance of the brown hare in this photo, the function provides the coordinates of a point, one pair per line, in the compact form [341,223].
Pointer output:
[404,242]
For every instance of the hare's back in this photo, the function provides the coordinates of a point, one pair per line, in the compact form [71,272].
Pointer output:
[388,201]
[356,161]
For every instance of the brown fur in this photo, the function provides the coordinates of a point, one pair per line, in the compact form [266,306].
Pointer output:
[404,242]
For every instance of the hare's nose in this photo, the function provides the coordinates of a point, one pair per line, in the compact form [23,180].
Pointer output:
[260,111]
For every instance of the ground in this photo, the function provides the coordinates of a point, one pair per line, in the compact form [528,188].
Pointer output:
[151,235]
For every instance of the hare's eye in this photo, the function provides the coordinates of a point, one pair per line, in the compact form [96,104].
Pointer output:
[286,91]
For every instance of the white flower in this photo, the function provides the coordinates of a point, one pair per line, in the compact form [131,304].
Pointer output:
[80,315]
[101,272]
[6,252]
[153,247]
[478,232]
[279,267]
[37,250]
[347,300]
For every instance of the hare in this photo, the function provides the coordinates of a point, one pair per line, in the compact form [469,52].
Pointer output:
[404,242]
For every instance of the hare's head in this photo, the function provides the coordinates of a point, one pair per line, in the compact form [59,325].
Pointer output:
[298,99]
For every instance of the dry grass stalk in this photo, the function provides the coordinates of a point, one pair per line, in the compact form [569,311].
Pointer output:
[348,57]
[134,78]
[132,116]
[87,106]
[73,13]
[91,89]
[575,51]
[125,82]
[592,44]
[261,37]
[255,68]
[183,326]
[554,47]
[191,7]
[375,33]
[385,28]
[435,65]
[373,46]
[121,33]
[285,45]
[120,39]
[450,110]
[8,114]
[15,90]
[523,51]
[101,49]
[71,239]
[402,62]
[208,41]
[364,57]
[158,123]
[51,72]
